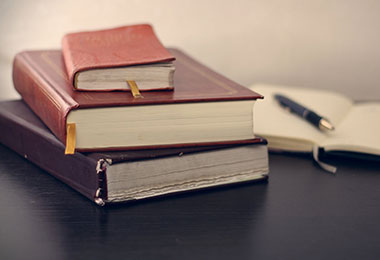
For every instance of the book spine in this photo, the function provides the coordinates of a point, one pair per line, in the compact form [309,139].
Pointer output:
[68,60]
[78,171]
[40,96]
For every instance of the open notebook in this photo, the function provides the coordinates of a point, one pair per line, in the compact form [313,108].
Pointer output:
[357,125]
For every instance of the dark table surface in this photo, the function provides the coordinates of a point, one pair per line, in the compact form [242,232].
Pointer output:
[302,212]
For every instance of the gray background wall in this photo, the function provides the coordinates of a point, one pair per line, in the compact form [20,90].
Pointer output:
[331,44]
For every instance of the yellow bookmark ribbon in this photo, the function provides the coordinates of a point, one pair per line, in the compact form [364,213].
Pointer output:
[134,89]
[70,138]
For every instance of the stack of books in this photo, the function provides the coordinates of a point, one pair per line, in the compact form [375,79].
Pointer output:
[118,117]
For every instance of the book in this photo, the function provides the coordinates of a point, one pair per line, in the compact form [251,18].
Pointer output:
[205,108]
[107,59]
[357,125]
[111,177]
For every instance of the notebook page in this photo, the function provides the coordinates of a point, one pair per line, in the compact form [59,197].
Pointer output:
[358,132]
[273,122]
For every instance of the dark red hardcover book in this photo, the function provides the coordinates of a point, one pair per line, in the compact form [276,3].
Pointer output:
[96,174]
[112,48]
[41,80]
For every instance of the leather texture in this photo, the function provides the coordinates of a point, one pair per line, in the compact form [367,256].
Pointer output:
[40,78]
[117,47]
[23,132]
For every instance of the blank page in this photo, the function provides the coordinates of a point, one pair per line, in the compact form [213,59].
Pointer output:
[358,132]
[272,120]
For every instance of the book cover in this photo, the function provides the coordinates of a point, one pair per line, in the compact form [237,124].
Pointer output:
[40,78]
[112,48]
[22,131]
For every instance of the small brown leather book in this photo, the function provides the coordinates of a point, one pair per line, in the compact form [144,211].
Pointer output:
[107,59]
[204,108]
[109,177]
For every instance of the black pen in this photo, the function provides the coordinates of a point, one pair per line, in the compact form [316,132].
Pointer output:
[309,115]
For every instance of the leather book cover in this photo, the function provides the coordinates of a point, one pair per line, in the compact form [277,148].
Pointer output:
[117,47]
[41,80]
[22,131]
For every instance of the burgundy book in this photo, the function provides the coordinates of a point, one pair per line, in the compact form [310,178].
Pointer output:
[106,59]
[205,107]
[130,175]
